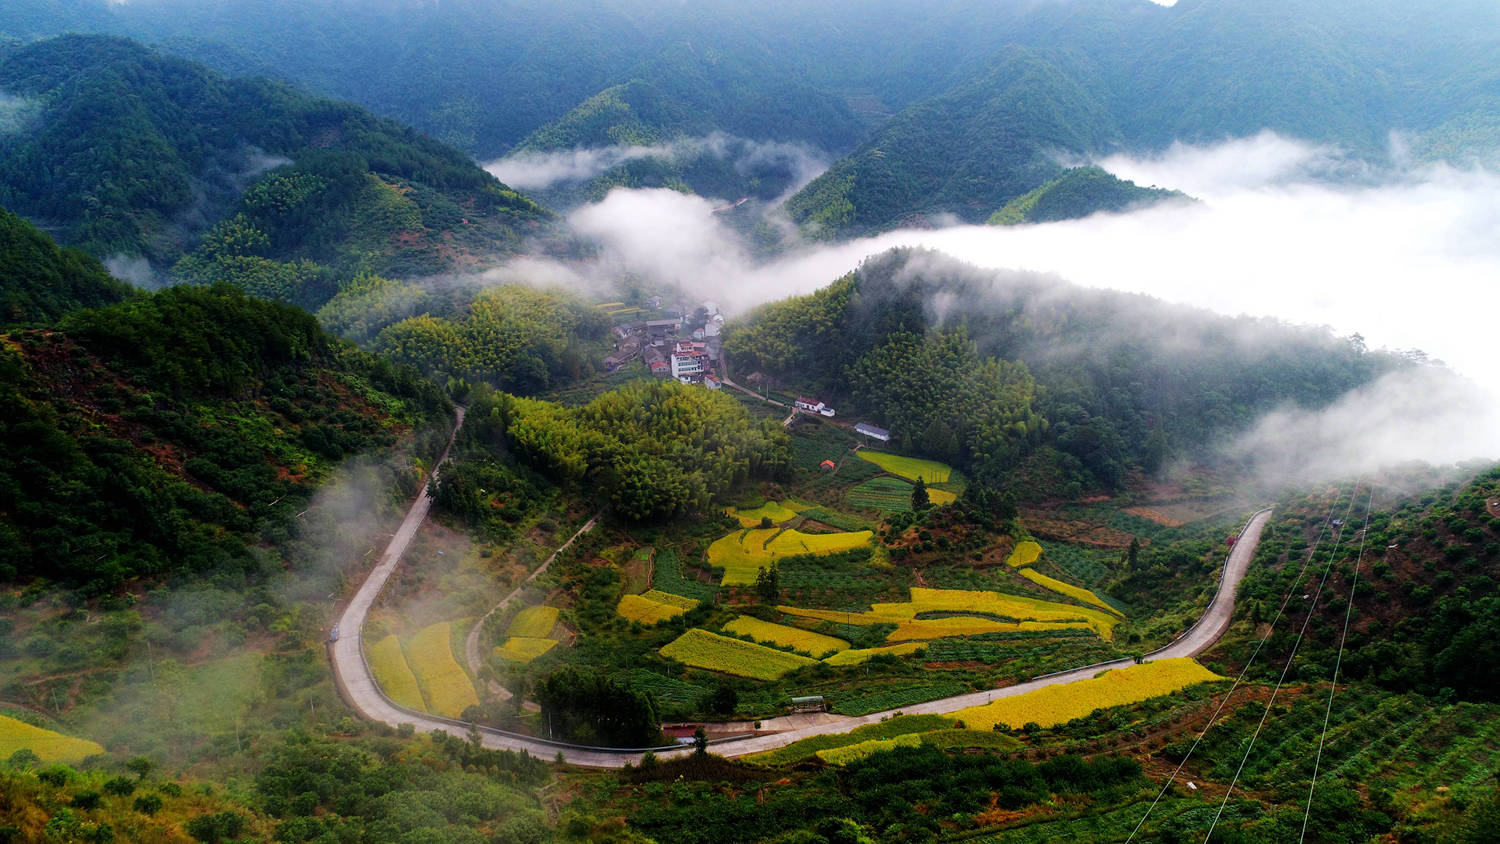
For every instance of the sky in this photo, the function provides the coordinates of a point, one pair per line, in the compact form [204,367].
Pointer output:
[1409,257]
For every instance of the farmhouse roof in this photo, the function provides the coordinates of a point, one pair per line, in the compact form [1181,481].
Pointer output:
[872,431]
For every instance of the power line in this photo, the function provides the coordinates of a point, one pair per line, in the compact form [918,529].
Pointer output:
[1338,540]
[1337,663]
[1291,590]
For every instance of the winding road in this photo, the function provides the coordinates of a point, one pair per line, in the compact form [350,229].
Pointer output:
[359,688]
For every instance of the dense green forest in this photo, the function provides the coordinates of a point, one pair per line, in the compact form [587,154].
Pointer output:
[40,282]
[1115,391]
[1079,192]
[980,91]
[653,449]
[175,432]
[130,152]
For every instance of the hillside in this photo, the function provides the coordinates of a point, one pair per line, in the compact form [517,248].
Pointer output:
[1079,192]
[1121,382]
[174,432]
[131,153]
[40,282]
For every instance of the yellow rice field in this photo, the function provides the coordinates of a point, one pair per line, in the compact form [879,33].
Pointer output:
[394,676]
[646,611]
[524,649]
[702,649]
[1068,589]
[1024,554]
[911,468]
[743,553]
[49,746]
[777,512]
[856,752]
[533,623]
[1053,705]
[815,644]
[1030,614]
[444,684]
[941,496]
[858,655]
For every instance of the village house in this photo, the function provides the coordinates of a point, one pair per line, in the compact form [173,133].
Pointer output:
[873,432]
[656,361]
[689,360]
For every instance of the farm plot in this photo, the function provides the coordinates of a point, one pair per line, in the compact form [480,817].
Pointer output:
[1014,606]
[777,513]
[667,576]
[702,649]
[814,644]
[49,746]
[444,684]
[392,673]
[1053,705]
[855,752]
[966,613]
[744,553]
[1024,554]
[889,494]
[654,606]
[1061,588]
[911,468]
[524,649]
[858,655]
[897,697]
[533,623]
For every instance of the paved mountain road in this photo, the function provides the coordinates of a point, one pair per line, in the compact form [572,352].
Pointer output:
[361,691]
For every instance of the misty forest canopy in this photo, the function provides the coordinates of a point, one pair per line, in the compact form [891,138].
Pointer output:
[986,368]
[948,107]
[653,449]
[128,152]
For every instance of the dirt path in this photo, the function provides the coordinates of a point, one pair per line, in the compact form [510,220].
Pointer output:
[471,643]
[360,690]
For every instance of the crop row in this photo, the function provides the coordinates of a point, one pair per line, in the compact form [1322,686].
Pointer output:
[667,690]
[667,576]
[896,698]
[702,649]
[1061,588]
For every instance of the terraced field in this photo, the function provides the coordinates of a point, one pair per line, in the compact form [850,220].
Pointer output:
[911,468]
[444,684]
[654,606]
[777,513]
[48,745]
[702,649]
[858,655]
[524,649]
[814,644]
[1053,705]
[1061,588]
[388,664]
[533,623]
[1024,554]
[744,553]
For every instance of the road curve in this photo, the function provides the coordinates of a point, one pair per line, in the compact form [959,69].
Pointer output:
[358,686]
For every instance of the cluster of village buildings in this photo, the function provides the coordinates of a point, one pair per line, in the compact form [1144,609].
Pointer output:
[671,351]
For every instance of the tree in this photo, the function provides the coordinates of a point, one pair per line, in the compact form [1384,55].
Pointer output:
[919,498]
[724,700]
[700,742]
[768,584]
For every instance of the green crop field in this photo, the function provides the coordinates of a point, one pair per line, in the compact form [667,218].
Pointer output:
[667,576]
[394,676]
[702,649]
[880,700]
[444,684]
[855,752]
[814,644]
[911,468]
[743,553]
[49,746]
[889,728]
[889,494]
[533,623]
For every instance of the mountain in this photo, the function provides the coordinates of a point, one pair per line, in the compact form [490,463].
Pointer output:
[1079,192]
[994,370]
[40,282]
[175,432]
[127,152]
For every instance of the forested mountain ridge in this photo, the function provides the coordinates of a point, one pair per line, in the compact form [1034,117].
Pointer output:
[40,282]
[129,152]
[174,432]
[1121,382]
[1079,192]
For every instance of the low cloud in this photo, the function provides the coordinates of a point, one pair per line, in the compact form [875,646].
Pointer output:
[16,114]
[134,269]
[1406,258]
[534,171]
